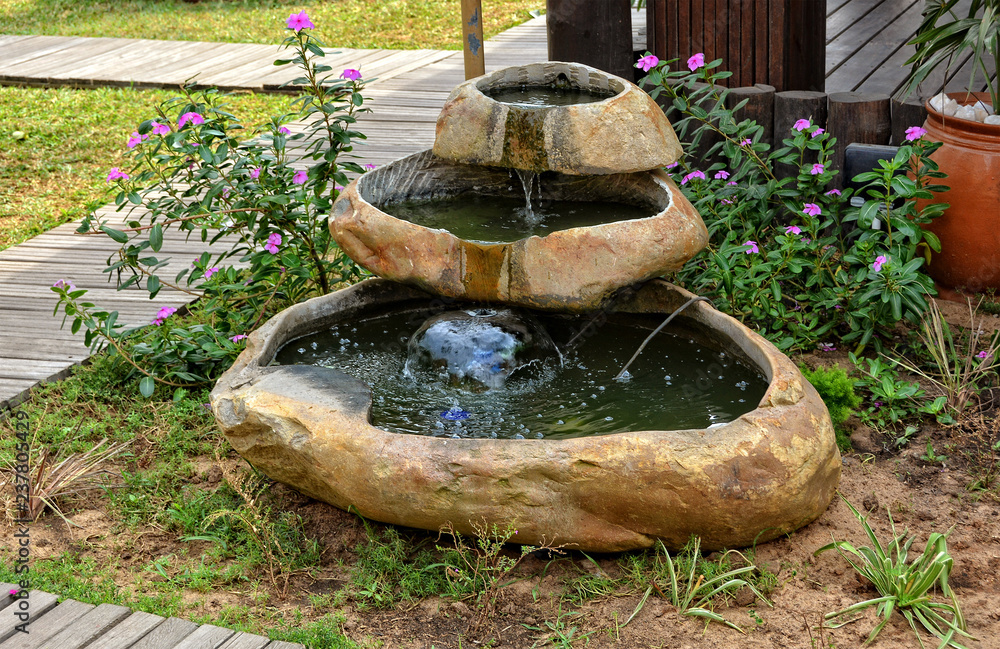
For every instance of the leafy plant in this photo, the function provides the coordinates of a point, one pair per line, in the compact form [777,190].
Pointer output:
[559,634]
[893,399]
[944,35]
[691,583]
[789,254]
[837,391]
[902,586]
[191,171]
[389,570]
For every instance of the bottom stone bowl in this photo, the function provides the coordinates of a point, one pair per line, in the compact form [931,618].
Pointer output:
[767,473]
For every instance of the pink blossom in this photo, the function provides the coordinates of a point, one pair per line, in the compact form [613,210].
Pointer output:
[833,192]
[647,63]
[135,139]
[880,261]
[915,133]
[696,61]
[721,175]
[159,129]
[817,169]
[825,347]
[117,174]
[801,125]
[812,209]
[731,182]
[726,201]
[300,177]
[817,133]
[273,241]
[751,247]
[14,591]
[300,21]
[211,271]
[369,166]
[64,283]
[692,176]
[284,130]
[163,314]
[350,74]
[238,337]
[255,173]
[672,165]
[746,142]
[194,118]
[983,355]
[793,229]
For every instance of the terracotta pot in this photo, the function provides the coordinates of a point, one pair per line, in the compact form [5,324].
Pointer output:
[970,229]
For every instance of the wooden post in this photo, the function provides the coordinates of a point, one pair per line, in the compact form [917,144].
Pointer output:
[857,117]
[759,107]
[472,38]
[789,107]
[598,34]
[905,114]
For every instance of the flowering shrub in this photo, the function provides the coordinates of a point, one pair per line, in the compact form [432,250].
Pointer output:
[191,169]
[791,255]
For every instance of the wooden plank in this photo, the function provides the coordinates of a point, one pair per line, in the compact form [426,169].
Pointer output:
[88,627]
[848,14]
[128,632]
[166,634]
[39,46]
[45,625]
[6,597]
[880,57]
[206,636]
[278,644]
[243,640]
[839,49]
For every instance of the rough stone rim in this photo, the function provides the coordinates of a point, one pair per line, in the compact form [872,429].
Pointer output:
[788,402]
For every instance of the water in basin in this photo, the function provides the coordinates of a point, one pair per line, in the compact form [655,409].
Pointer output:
[676,384]
[488,219]
[545,96]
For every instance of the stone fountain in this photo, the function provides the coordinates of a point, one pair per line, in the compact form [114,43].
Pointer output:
[478,310]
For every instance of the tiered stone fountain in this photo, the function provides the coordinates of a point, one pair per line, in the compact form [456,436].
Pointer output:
[474,313]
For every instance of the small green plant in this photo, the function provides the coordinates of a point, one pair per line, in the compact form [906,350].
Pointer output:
[902,586]
[931,456]
[892,399]
[559,634]
[691,583]
[389,569]
[837,391]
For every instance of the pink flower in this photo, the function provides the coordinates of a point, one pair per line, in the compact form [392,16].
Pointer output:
[880,261]
[801,125]
[672,165]
[726,201]
[211,271]
[14,591]
[238,337]
[300,21]
[117,174]
[692,176]
[812,209]
[64,283]
[284,130]
[273,241]
[194,118]
[163,314]
[647,63]
[751,247]
[350,74]
[300,177]
[915,133]
[746,142]
[255,173]
[135,139]
[369,166]
[825,347]
[721,175]
[696,61]
[817,133]
[793,229]
[817,169]
[833,192]
[983,355]
[159,129]
[731,182]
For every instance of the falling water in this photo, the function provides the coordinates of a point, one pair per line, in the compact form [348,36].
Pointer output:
[528,183]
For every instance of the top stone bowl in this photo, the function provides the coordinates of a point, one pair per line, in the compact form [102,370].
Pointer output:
[624,133]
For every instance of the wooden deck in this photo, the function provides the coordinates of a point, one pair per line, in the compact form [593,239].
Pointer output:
[74,625]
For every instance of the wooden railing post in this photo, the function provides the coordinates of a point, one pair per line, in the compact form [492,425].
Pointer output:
[472,38]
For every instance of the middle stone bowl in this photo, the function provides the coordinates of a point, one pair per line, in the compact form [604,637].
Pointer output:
[572,269]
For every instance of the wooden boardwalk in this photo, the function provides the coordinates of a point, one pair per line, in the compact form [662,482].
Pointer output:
[74,625]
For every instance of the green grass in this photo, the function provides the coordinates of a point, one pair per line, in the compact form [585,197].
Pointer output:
[391,24]
[70,140]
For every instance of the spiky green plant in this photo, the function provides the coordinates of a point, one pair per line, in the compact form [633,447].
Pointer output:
[902,586]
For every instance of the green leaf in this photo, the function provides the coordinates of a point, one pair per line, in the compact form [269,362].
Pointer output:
[117,235]
[153,286]
[156,237]
[146,386]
